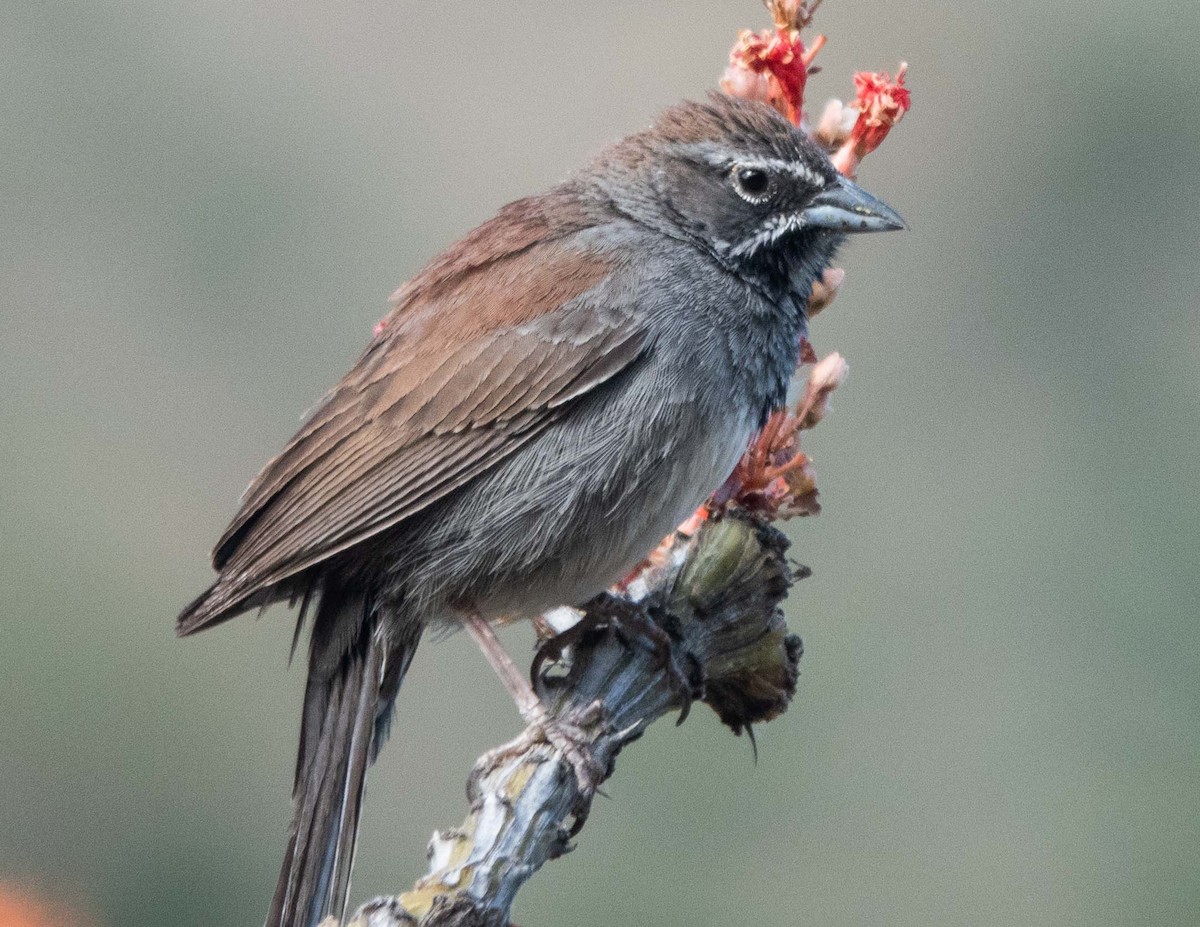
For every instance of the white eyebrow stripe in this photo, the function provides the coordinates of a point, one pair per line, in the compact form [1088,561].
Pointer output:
[795,168]
[725,158]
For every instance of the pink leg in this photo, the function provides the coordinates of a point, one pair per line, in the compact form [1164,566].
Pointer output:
[569,739]
[530,706]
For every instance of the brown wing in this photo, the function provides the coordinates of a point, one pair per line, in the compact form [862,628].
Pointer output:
[468,369]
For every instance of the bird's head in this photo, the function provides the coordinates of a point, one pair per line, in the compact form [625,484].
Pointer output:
[738,178]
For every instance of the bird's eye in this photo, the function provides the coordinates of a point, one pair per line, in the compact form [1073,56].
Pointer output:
[752,183]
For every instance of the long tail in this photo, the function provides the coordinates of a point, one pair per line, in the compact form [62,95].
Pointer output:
[355,671]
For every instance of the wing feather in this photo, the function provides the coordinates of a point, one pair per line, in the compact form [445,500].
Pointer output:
[453,385]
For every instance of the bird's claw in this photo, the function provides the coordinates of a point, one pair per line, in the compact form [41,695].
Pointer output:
[572,740]
[632,625]
[574,743]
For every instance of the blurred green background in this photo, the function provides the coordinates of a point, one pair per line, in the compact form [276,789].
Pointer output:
[203,207]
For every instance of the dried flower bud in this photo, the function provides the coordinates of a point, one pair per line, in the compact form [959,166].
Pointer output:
[825,377]
[881,103]
[792,14]
[833,128]
[800,497]
[824,292]
[775,478]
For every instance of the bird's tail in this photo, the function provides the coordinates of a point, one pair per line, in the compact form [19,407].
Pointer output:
[356,665]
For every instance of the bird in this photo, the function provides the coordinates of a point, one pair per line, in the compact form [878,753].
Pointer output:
[542,404]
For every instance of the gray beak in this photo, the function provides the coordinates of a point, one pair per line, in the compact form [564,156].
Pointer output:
[847,207]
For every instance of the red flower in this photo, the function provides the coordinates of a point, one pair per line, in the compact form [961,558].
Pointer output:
[771,67]
[881,103]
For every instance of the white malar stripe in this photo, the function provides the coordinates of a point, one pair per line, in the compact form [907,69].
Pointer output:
[771,231]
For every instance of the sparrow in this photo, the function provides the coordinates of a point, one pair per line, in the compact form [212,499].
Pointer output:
[543,403]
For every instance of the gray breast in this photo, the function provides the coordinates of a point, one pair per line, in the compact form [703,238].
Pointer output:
[580,505]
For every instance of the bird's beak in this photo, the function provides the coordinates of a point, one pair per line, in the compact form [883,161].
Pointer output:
[847,207]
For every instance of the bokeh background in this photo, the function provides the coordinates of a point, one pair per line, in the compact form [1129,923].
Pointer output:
[203,207]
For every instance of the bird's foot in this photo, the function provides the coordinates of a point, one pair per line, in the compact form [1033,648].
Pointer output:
[636,625]
[570,737]
[632,626]
[574,742]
